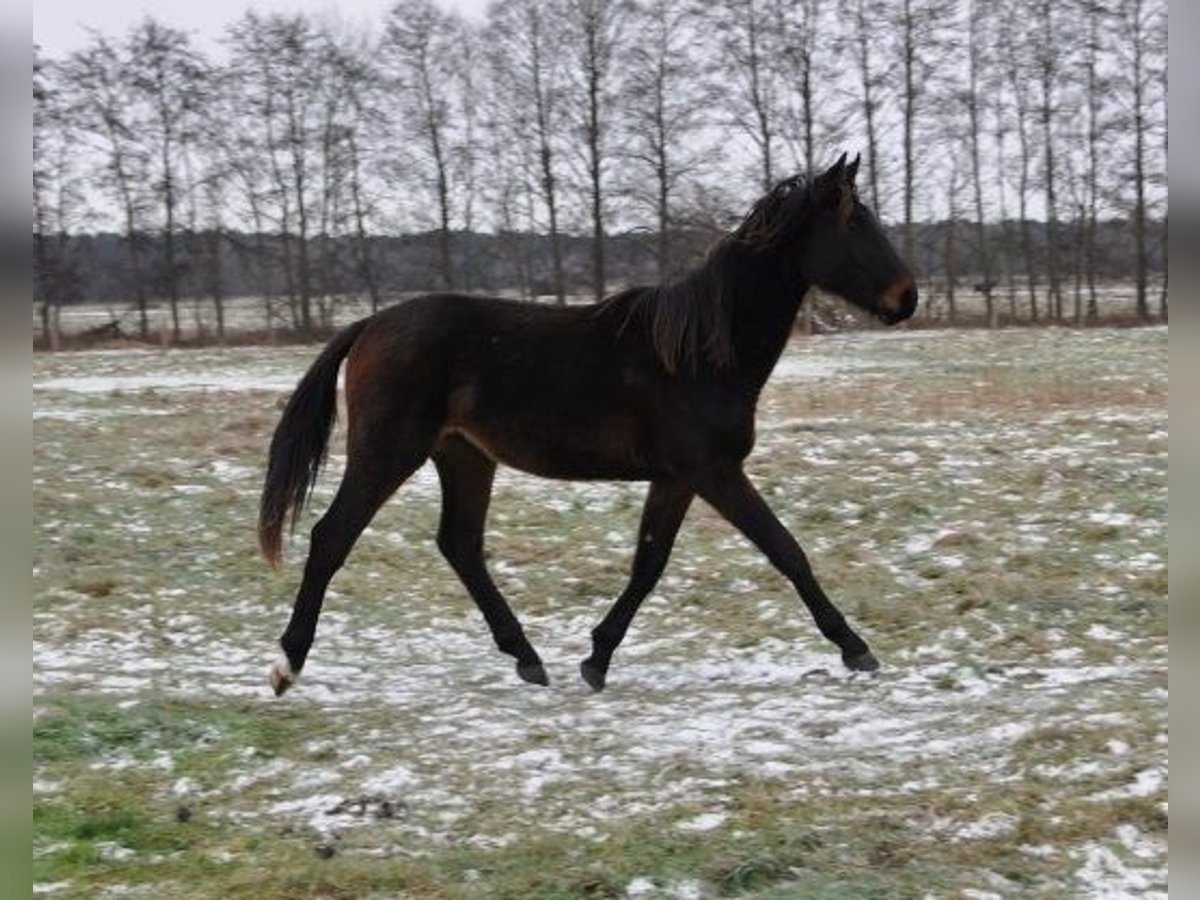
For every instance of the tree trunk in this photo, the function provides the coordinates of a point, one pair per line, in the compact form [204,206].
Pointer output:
[910,116]
[1048,74]
[362,250]
[1141,264]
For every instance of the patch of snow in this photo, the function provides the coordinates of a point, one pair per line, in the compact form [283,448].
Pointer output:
[1040,851]
[312,810]
[1103,875]
[1108,517]
[1146,783]
[166,381]
[990,826]
[113,851]
[1100,632]
[685,889]
[395,780]
[50,887]
[703,822]
[1137,843]
[640,887]
[1146,562]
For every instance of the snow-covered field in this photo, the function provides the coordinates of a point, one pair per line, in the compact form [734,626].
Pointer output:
[990,509]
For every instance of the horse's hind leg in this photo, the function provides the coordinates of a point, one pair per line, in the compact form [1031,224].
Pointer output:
[375,467]
[466,475]
[666,505]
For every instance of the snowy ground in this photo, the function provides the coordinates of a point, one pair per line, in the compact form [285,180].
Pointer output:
[990,509]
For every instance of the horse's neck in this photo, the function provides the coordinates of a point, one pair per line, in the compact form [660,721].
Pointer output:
[762,323]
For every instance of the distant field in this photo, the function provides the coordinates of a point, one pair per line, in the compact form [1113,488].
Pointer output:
[989,508]
[248,314]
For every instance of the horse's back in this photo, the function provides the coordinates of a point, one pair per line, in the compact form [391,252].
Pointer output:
[557,391]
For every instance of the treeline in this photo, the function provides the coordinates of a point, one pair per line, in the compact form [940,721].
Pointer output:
[1014,147]
[520,263]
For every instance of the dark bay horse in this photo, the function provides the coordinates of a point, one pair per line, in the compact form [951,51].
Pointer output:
[656,384]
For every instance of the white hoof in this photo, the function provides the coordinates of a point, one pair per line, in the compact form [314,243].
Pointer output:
[281,675]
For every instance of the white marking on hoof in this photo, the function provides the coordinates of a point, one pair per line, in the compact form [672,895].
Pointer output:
[281,675]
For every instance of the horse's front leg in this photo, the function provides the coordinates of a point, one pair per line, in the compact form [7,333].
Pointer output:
[666,504]
[734,497]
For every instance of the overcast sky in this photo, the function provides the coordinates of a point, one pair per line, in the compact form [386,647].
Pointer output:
[59,25]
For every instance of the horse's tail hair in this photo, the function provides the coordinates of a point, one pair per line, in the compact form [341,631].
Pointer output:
[300,443]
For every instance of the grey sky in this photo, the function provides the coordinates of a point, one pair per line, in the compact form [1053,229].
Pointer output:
[59,25]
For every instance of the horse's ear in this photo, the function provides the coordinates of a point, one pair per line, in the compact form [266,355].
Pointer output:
[852,169]
[835,171]
[835,188]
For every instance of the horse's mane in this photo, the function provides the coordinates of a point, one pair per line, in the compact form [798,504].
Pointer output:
[689,320]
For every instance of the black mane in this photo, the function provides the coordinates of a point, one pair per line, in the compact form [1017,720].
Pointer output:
[688,320]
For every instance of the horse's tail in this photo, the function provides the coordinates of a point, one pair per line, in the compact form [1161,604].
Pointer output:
[301,442]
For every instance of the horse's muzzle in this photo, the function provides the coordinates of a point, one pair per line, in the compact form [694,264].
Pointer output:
[899,301]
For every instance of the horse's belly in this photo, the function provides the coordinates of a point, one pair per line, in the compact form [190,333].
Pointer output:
[550,453]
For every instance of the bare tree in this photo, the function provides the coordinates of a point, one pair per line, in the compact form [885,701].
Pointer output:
[273,74]
[417,50]
[1075,190]
[57,199]
[466,158]
[746,47]
[167,75]
[1094,86]
[350,64]
[973,99]
[664,103]
[919,47]
[858,40]
[236,172]
[101,107]
[1047,48]
[950,239]
[1013,53]
[594,32]
[207,233]
[525,44]
[1140,45]
[1159,44]
[801,25]
[999,135]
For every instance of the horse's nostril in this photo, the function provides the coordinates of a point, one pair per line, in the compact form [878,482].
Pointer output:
[908,300]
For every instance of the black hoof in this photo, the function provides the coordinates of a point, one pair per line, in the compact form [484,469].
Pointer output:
[534,673]
[864,662]
[593,675]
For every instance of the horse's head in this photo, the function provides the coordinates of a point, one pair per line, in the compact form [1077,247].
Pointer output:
[842,249]
[849,255]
